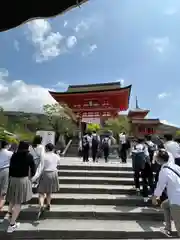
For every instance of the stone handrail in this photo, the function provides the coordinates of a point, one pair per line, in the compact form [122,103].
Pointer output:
[66,148]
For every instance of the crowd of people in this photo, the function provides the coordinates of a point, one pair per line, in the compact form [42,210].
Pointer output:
[163,188]
[100,146]
[156,162]
[31,166]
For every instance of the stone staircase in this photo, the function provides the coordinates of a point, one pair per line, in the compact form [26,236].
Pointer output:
[96,201]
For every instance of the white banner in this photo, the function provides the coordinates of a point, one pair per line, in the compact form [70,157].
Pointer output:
[47,137]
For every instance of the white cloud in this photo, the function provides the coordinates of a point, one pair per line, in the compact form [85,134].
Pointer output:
[48,44]
[82,26]
[16,95]
[71,41]
[159,45]
[65,23]
[61,86]
[90,50]
[163,95]
[16,45]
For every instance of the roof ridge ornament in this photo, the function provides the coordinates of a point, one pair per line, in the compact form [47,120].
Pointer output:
[137,105]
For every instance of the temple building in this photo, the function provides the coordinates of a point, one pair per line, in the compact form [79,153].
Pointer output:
[140,125]
[94,103]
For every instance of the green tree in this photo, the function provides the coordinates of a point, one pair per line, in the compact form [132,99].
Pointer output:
[60,118]
[93,127]
[117,125]
[177,134]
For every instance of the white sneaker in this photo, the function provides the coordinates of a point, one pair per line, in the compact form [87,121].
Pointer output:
[13,227]
[146,199]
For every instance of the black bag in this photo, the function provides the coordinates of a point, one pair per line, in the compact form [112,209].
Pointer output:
[95,141]
[105,143]
[85,142]
[138,160]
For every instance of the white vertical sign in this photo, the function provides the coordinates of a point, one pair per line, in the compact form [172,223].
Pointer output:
[47,137]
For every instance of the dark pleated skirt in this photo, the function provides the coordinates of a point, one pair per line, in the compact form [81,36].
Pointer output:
[4,181]
[49,183]
[19,190]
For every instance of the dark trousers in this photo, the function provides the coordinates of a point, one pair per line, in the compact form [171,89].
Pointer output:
[85,154]
[123,153]
[106,153]
[94,153]
[147,179]
[177,161]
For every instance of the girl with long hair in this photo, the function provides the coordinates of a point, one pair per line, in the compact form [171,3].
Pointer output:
[21,170]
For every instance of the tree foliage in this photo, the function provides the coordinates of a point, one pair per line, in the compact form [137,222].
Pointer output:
[93,127]
[118,125]
[59,118]
[177,134]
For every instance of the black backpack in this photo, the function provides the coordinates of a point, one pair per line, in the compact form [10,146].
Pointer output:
[138,160]
[105,143]
[85,141]
[95,141]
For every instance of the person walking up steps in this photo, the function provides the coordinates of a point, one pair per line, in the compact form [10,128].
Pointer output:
[140,162]
[85,147]
[22,168]
[95,145]
[49,182]
[123,150]
[106,143]
[169,178]
[37,151]
[5,156]
[151,147]
[173,147]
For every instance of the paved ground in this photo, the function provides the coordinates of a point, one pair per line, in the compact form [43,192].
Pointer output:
[101,162]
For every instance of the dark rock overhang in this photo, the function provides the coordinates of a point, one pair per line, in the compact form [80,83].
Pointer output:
[17,12]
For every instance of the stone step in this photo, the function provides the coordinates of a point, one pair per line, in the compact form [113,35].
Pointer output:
[111,212]
[96,180]
[94,199]
[96,166]
[85,229]
[97,189]
[95,173]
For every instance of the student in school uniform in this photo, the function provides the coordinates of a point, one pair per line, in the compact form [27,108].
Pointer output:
[21,170]
[49,182]
[169,178]
[173,147]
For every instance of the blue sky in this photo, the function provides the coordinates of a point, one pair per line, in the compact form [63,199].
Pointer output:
[135,41]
